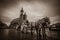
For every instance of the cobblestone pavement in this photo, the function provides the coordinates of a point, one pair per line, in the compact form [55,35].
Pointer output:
[13,34]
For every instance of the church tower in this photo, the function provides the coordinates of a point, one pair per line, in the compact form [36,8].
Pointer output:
[21,15]
[24,16]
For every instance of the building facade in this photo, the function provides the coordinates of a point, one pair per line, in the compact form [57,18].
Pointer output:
[18,22]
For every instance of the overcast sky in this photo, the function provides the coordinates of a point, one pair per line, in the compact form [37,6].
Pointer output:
[35,9]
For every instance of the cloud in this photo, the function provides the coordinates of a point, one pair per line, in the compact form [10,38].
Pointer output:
[55,19]
[35,9]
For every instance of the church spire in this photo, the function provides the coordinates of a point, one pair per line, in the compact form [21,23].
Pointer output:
[22,10]
[21,13]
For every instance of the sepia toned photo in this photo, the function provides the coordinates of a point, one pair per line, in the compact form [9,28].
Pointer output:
[29,19]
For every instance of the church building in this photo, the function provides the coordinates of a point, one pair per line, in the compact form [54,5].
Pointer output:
[18,22]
